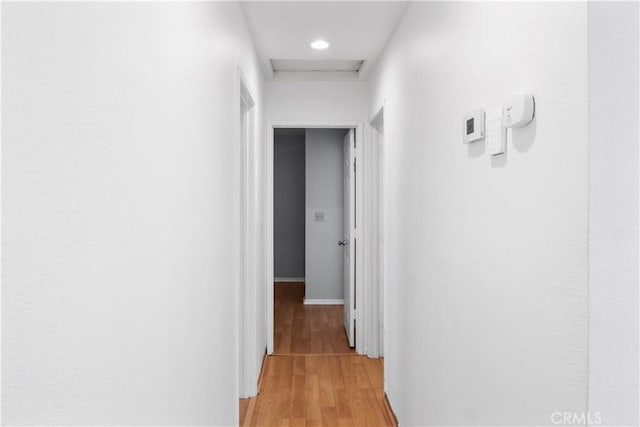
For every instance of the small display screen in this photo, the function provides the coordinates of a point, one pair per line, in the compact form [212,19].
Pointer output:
[470,126]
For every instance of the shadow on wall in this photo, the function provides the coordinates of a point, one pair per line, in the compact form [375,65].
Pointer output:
[476,149]
[521,140]
[523,137]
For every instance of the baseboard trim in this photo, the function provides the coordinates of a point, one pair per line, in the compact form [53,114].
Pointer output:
[289,279]
[389,409]
[262,369]
[309,301]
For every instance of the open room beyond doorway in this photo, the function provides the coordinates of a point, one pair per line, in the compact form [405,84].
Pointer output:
[366,296]
[313,225]
[330,221]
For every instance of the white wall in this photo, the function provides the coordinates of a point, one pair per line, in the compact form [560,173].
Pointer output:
[315,101]
[613,212]
[486,258]
[324,262]
[120,213]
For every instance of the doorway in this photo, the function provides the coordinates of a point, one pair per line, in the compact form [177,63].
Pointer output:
[353,131]
[313,240]
[315,362]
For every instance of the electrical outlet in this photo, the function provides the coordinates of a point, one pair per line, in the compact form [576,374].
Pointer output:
[319,216]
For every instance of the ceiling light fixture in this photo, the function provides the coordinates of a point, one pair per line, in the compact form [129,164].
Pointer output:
[319,44]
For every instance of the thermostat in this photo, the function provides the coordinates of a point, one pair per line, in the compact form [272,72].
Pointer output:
[518,110]
[473,126]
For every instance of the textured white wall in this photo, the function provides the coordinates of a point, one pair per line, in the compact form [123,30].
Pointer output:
[613,212]
[315,101]
[324,259]
[486,258]
[120,212]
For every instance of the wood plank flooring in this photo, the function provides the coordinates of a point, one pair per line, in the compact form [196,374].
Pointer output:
[244,406]
[306,329]
[333,390]
[333,387]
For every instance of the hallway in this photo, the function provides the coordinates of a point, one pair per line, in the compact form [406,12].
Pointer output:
[306,329]
[314,378]
[462,176]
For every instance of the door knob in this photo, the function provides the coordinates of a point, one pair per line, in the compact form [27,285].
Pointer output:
[342,243]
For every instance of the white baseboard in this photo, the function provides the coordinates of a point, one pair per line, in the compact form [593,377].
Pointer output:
[308,301]
[288,279]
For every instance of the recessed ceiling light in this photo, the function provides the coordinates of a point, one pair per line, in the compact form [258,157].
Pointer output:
[319,44]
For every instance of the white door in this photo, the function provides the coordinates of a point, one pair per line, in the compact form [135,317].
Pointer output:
[348,242]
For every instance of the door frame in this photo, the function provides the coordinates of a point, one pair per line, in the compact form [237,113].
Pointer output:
[247,244]
[359,258]
[349,232]
[375,268]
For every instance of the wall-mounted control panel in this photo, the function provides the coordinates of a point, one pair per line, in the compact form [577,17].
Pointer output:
[495,139]
[518,110]
[473,126]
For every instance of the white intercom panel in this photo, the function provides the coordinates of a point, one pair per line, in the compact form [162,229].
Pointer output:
[495,139]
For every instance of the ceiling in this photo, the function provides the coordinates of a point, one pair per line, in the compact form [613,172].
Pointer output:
[358,31]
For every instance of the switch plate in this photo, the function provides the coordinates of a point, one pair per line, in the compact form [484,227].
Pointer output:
[319,216]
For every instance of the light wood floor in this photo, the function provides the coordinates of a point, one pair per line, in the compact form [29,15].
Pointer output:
[319,391]
[334,387]
[306,329]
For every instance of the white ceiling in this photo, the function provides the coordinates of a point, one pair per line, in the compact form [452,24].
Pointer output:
[357,30]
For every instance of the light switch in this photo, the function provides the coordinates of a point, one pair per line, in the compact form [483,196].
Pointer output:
[319,216]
